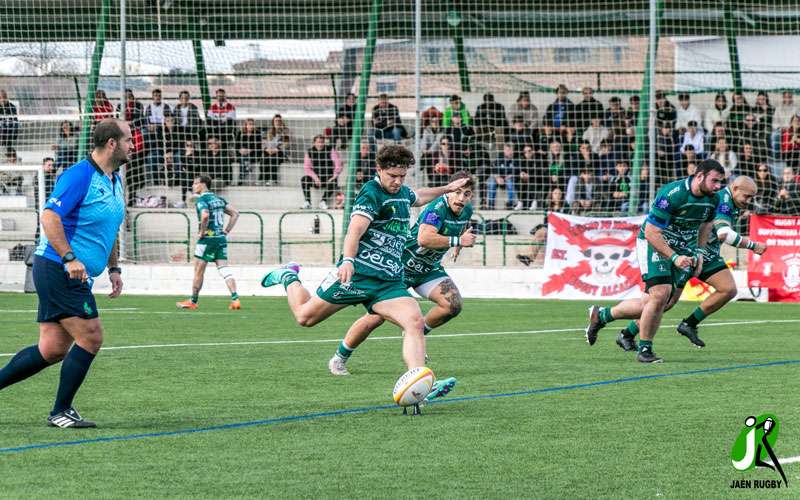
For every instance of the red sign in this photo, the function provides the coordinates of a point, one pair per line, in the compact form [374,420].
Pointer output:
[778,269]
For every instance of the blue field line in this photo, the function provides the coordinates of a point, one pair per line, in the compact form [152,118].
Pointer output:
[366,409]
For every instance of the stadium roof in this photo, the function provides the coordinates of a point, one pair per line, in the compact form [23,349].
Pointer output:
[60,20]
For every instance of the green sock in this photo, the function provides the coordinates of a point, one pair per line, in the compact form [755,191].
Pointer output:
[632,328]
[195,298]
[696,317]
[234,296]
[645,345]
[606,316]
[344,351]
[288,278]
[426,329]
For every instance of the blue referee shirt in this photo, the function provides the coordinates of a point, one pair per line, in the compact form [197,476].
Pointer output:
[91,207]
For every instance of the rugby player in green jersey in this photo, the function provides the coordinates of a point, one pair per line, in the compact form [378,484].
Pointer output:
[733,199]
[212,242]
[442,225]
[370,270]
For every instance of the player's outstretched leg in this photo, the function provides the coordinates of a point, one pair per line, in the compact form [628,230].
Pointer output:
[358,333]
[600,316]
[724,291]
[283,275]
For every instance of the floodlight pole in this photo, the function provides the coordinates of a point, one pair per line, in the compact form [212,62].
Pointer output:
[123,60]
[418,90]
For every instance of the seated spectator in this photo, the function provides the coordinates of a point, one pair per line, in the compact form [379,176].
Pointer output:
[763,110]
[725,157]
[133,112]
[478,162]
[248,149]
[386,120]
[187,118]
[428,114]
[614,116]
[11,182]
[490,119]
[537,251]
[585,158]
[342,132]
[632,114]
[787,202]
[580,195]
[782,117]
[685,113]
[530,179]
[688,156]
[442,163]
[621,144]
[606,163]
[9,121]
[767,189]
[365,165]
[216,163]
[559,166]
[691,169]
[665,111]
[66,147]
[275,150]
[737,113]
[719,131]
[790,143]
[542,143]
[665,154]
[644,188]
[153,130]
[503,173]
[456,107]
[595,133]
[526,109]
[694,137]
[222,120]
[189,166]
[173,153]
[519,135]
[348,109]
[716,114]
[459,134]
[322,167]
[756,134]
[747,161]
[431,137]
[50,174]
[619,188]
[555,200]
[560,112]
[102,107]
[586,110]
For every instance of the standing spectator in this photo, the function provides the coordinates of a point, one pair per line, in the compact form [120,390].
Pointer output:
[560,112]
[66,147]
[787,201]
[102,107]
[187,116]
[342,132]
[490,119]
[519,135]
[503,173]
[767,189]
[620,188]
[133,113]
[9,121]
[747,161]
[754,133]
[665,154]
[596,133]
[222,119]
[580,191]
[763,110]
[431,137]
[526,109]
[215,163]
[248,149]
[725,157]
[275,147]
[586,110]
[614,117]
[737,113]
[348,109]
[386,120]
[529,178]
[790,143]
[322,167]
[665,111]
[154,115]
[456,107]
[694,137]
[717,113]
[686,112]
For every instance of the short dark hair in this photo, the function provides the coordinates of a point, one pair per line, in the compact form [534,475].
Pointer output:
[184,92]
[707,166]
[220,90]
[46,159]
[455,97]
[463,174]
[394,155]
[205,180]
[683,96]
[156,91]
[106,129]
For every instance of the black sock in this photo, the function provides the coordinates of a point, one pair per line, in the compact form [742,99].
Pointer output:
[24,364]
[73,371]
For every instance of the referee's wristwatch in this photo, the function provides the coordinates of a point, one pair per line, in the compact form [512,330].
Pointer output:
[115,269]
[68,257]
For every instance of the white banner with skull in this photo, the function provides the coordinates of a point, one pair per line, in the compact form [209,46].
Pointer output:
[591,258]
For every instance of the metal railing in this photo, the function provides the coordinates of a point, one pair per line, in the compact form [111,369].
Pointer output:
[528,243]
[259,241]
[137,241]
[32,238]
[331,240]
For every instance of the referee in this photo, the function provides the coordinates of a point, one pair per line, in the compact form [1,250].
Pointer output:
[81,220]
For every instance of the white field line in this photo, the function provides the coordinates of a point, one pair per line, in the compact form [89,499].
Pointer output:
[787,460]
[396,337]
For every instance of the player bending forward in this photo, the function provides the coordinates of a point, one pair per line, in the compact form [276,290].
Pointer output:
[212,243]
[370,271]
[441,226]
[733,199]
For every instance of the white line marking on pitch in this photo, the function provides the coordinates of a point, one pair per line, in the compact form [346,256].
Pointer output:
[787,460]
[396,337]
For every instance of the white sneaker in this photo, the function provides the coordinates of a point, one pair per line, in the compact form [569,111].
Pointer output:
[518,206]
[306,205]
[337,367]
[533,205]
[323,205]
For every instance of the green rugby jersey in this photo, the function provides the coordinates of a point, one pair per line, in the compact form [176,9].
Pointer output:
[727,214]
[380,249]
[420,260]
[216,212]
[679,214]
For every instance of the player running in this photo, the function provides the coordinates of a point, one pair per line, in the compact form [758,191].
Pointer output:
[733,199]
[370,271]
[212,243]
[442,225]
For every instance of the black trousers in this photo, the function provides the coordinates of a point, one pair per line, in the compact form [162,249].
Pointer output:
[328,188]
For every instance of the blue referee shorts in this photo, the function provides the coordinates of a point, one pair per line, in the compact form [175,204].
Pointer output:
[59,296]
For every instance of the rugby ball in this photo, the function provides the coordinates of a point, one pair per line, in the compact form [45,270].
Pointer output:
[413,386]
